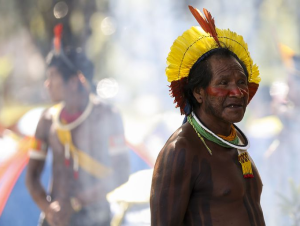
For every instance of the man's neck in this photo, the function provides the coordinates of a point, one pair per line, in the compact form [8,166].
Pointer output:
[76,102]
[214,124]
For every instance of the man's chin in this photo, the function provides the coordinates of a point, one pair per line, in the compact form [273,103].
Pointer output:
[236,121]
[55,100]
[234,118]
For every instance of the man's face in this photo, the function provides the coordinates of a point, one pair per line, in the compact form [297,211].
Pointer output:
[55,84]
[227,95]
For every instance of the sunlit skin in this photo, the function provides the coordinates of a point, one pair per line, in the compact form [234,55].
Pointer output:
[192,187]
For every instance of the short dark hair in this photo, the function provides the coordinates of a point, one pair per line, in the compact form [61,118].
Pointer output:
[70,62]
[200,74]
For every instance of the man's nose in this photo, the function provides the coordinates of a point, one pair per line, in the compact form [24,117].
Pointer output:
[47,83]
[235,91]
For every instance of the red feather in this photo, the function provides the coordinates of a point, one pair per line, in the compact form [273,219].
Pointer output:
[207,23]
[253,87]
[57,36]
[176,91]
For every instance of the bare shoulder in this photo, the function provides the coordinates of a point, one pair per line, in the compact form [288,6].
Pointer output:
[177,141]
[47,114]
[108,116]
[44,124]
[178,161]
[185,138]
[104,109]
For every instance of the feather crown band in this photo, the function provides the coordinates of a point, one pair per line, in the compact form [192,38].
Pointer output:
[195,42]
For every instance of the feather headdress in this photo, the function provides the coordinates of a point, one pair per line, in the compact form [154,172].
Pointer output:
[195,42]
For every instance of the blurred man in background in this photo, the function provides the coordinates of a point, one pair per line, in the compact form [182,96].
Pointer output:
[87,141]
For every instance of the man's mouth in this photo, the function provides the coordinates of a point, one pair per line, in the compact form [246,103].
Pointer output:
[234,106]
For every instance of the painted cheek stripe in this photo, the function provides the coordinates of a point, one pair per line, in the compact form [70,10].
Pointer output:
[238,91]
[221,92]
[217,92]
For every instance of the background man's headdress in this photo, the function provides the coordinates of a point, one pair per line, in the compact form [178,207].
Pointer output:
[58,50]
[71,61]
[194,43]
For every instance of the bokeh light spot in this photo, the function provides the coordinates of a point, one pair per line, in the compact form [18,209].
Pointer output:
[108,26]
[60,10]
[107,88]
[279,89]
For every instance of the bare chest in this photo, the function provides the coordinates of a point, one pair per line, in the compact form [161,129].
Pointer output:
[221,179]
[91,137]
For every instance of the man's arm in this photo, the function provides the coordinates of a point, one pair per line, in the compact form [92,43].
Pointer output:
[37,154]
[171,186]
[33,183]
[57,213]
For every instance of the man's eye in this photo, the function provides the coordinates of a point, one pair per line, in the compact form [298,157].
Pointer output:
[242,82]
[223,82]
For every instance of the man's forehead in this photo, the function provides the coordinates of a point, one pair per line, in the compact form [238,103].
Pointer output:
[53,71]
[219,64]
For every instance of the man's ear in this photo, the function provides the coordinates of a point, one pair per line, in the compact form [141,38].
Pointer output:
[83,81]
[199,95]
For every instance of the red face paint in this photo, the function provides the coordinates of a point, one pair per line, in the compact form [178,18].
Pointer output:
[238,92]
[217,91]
[244,91]
[235,92]
[222,92]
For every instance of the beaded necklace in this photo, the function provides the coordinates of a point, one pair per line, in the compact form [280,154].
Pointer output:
[231,141]
[199,129]
[231,144]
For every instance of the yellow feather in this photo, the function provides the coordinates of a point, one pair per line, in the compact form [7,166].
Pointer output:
[193,43]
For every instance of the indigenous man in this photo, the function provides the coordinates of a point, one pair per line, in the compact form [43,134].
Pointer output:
[87,142]
[204,175]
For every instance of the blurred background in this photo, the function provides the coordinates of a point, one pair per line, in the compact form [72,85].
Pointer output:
[128,41]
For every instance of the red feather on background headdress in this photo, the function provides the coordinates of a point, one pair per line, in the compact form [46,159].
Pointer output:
[207,23]
[57,37]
